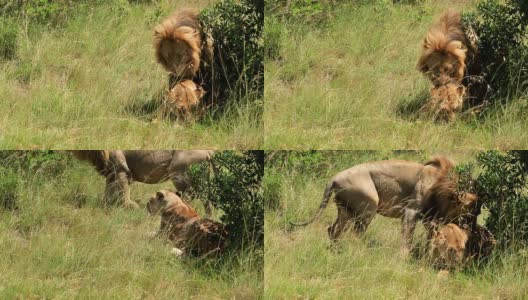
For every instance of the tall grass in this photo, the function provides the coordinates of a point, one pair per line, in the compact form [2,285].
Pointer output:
[351,83]
[61,243]
[300,264]
[92,83]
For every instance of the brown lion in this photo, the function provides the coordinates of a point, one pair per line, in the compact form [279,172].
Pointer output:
[183,100]
[180,44]
[447,248]
[122,167]
[396,189]
[445,50]
[446,101]
[185,228]
[452,245]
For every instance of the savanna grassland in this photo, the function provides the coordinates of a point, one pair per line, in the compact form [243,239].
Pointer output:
[300,264]
[350,82]
[62,243]
[92,82]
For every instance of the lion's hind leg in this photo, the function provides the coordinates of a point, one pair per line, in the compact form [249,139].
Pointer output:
[341,224]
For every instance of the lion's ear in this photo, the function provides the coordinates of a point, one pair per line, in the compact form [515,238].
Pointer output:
[160,196]
[426,43]
[467,198]
[199,91]
[461,90]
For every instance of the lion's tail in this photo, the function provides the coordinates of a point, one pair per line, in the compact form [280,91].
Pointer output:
[326,197]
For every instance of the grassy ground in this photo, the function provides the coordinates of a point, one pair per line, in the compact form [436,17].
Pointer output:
[352,83]
[300,265]
[61,244]
[88,85]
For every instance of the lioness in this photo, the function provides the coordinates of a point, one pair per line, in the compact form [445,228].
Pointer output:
[448,247]
[183,100]
[446,101]
[184,227]
[396,189]
[121,167]
[452,246]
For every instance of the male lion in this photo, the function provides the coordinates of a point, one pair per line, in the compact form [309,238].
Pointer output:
[183,99]
[445,50]
[396,189]
[122,167]
[180,45]
[184,227]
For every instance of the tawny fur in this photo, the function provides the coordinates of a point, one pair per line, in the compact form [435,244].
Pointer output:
[446,101]
[98,158]
[122,167]
[183,100]
[177,42]
[444,50]
[451,246]
[184,227]
[444,202]
[448,247]
[396,189]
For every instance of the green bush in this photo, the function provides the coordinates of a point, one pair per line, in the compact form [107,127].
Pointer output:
[237,30]
[236,189]
[49,12]
[56,12]
[29,162]
[502,186]
[502,31]
[8,39]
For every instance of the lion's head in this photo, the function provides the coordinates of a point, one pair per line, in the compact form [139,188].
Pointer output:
[446,101]
[445,202]
[448,246]
[177,43]
[443,57]
[183,99]
[170,203]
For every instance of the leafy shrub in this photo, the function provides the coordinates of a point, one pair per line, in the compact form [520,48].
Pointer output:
[47,12]
[8,39]
[502,186]
[237,30]
[235,188]
[502,30]
[56,12]
[8,189]
[26,162]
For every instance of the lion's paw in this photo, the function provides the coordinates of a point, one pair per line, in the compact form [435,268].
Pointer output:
[177,252]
